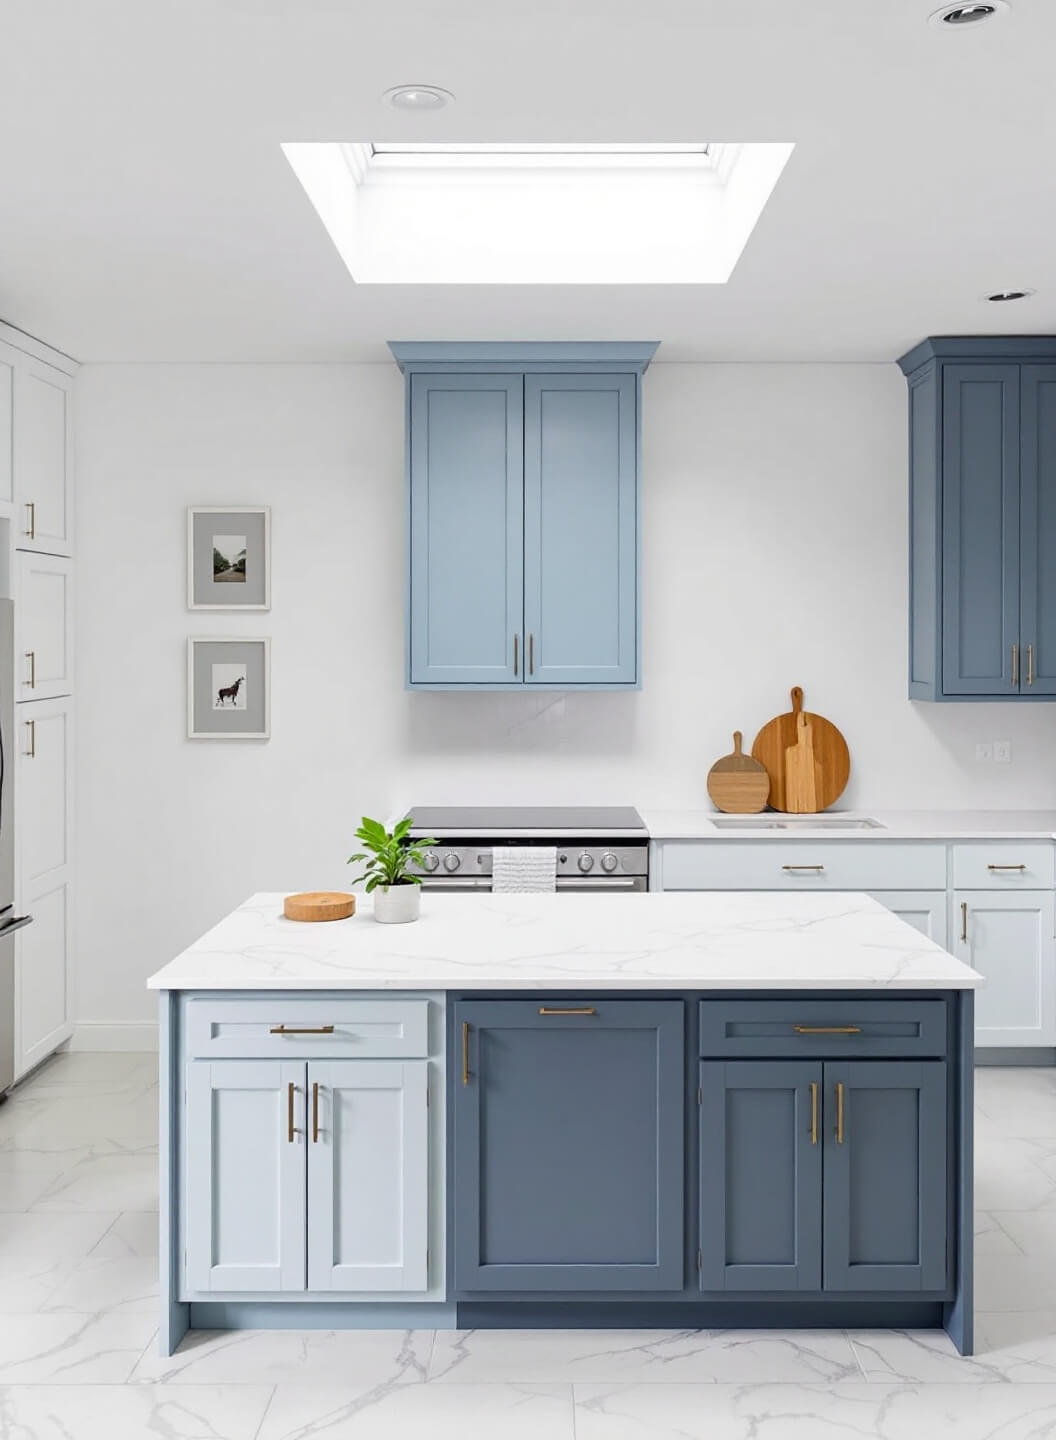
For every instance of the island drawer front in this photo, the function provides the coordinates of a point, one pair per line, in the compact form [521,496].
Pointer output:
[803,865]
[877,1029]
[263,1027]
[1008,865]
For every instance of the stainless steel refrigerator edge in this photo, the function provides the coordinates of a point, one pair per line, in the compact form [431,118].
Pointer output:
[9,921]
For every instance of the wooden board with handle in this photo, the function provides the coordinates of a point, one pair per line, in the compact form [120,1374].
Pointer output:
[319,905]
[737,784]
[806,758]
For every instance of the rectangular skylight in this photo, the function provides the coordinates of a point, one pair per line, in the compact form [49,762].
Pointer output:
[522,213]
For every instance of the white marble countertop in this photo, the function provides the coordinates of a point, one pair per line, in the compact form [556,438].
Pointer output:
[896,825]
[716,940]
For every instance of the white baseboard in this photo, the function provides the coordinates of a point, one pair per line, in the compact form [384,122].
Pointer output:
[114,1037]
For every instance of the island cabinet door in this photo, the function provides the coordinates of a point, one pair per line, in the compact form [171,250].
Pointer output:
[367,1175]
[245,1167]
[885,1201]
[568,1146]
[760,1175]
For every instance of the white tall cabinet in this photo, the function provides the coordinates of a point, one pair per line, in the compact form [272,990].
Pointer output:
[36,570]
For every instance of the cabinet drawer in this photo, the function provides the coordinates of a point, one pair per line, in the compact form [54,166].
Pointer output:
[1000,866]
[879,1029]
[315,1027]
[803,865]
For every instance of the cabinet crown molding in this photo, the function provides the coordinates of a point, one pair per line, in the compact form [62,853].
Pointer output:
[596,356]
[983,348]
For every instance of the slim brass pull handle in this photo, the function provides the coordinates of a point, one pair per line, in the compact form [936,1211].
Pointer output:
[813,1112]
[31,726]
[531,654]
[964,922]
[1015,667]
[301,1030]
[581,1010]
[839,1112]
[1030,664]
[31,656]
[827,1029]
[315,1112]
[803,867]
[290,1128]
[516,644]
[31,530]
[465,1052]
[1006,867]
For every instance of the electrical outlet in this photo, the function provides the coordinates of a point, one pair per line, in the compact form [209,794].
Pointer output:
[1003,752]
[984,752]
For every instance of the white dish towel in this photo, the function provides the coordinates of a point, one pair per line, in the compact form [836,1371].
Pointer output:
[523,869]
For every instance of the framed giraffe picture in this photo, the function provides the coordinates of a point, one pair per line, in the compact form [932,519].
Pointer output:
[229,557]
[228,689]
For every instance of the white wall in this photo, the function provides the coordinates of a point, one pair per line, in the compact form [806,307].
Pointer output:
[775,554]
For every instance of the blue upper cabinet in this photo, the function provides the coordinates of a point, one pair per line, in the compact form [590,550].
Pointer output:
[524,482]
[982,419]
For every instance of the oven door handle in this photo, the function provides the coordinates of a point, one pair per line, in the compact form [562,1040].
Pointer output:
[457,882]
[598,882]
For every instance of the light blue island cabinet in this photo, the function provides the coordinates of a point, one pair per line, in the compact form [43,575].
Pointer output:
[523,489]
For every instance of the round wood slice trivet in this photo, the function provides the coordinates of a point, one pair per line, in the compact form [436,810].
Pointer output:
[319,905]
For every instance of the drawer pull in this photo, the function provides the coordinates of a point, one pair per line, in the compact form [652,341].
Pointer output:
[31,656]
[1015,667]
[839,1112]
[290,1128]
[1006,867]
[964,922]
[31,753]
[1030,664]
[301,1030]
[813,1112]
[819,868]
[583,1010]
[465,1052]
[315,1112]
[31,521]
[827,1029]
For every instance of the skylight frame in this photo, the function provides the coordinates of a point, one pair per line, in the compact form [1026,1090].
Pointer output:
[454,157]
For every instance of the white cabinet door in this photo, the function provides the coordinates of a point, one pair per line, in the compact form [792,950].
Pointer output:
[42,822]
[43,621]
[42,458]
[7,473]
[245,1154]
[925,910]
[1008,936]
[368,1175]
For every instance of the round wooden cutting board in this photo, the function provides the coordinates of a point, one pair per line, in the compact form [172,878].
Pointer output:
[737,784]
[319,905]
[806,758]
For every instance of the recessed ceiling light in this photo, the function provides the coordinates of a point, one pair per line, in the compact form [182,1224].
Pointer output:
[418,97]
[1001,295]
[965,16]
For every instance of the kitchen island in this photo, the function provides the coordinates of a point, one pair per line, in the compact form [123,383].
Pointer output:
[709,1110]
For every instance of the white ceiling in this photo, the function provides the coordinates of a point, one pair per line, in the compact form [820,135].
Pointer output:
[147,212]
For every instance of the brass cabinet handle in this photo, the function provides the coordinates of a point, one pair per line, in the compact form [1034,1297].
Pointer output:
[803,867]
[465,1052]
[531,654]
[1030,664]
[301,1030]
[516,642]
[827,1029]
[290,1128]
[964,921]
[315,1112]
[839,1112]
[31,726]
[31,656]
[813,1112]
[581,1010]
[1006,867]
[1015,667]
[31,530]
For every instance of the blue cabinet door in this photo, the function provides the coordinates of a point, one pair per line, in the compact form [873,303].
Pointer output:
[760,1175]
[581,529]
[1038,529]
[466,530]
[568,1146]
[981,530]
[885,1191]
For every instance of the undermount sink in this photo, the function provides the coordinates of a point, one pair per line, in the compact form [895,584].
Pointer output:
[794,822]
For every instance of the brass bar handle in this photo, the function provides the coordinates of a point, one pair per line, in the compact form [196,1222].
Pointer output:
[839,1112]
[315,1112]
[31,726]
[465,1052]
[531,654]
[964,922]
[291,1129]
[827,1029]
[819,868]
[813,1112]
[516,645]
[31,656]
[301,1030]
[1006,867]
[581,1010]
[31,529]
[1030,664]
[1015,667]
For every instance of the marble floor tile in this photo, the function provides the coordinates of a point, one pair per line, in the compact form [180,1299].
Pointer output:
[116,1287]
[991,1236]
[56,1236]
[996,1329]
[124,1180]
[133,1235]
[925,1357]
[82,1117]
[1034,1231]
[1014,1282]
[367,1358]
[72,1349]
[131,1412]
[422,1412]
[804,1412]
[100,1073]
[553,1356]
[20,1189]
[28,1281]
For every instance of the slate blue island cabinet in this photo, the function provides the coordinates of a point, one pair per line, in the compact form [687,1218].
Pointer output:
[523,469]
[982,425]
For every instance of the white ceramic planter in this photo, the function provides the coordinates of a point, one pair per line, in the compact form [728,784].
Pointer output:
[397,904]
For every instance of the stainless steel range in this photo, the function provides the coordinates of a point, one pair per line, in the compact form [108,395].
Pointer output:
[599,848]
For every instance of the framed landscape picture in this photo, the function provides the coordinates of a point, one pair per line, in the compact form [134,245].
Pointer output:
[229,557]
[228,689]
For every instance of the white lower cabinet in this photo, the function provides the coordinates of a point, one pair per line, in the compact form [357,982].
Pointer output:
[925,910]
[1009,937]
[306,1176]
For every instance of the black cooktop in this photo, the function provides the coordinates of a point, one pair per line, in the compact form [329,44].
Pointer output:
[546,819]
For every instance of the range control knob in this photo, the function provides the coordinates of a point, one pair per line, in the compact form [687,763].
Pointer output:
[609,862]
[430,862]
[585,862]
[452,862]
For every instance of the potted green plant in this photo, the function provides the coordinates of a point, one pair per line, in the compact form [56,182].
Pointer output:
[387,855]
